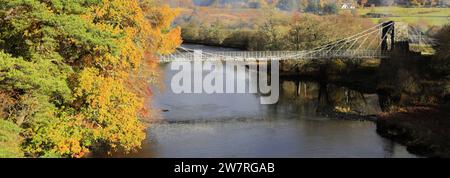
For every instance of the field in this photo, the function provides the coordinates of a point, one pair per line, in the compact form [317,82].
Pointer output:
[429,16]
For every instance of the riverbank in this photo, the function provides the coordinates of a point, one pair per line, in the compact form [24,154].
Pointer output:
[399,82]
[405,85]
[241,44]
[423,129]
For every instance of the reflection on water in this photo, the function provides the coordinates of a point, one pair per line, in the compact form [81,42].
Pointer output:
[328,98]
[237,125]
[270,138]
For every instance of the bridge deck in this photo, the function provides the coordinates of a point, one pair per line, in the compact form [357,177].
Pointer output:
[271,55]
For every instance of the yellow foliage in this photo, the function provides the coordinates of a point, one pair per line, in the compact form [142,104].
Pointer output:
[111,104]
[160,17]
[111,109]
[343,109]
[170,41]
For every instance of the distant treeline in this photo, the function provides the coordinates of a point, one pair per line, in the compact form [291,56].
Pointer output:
[298,32]
[300,5]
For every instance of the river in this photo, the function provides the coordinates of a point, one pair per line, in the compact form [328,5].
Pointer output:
[237,125]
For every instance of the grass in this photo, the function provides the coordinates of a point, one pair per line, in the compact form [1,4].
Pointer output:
[430,16]
[402,11]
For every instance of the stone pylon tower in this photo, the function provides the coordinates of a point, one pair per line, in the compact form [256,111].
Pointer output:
[388,36]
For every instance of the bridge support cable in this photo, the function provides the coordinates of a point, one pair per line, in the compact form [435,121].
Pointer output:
[341,43]
[363,42]
[355,40]
[332,44]
[352,46]
[350,37]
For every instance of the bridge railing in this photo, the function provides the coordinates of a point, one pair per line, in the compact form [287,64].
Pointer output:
[272,55]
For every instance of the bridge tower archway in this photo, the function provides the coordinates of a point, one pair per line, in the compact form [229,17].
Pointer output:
[387,36]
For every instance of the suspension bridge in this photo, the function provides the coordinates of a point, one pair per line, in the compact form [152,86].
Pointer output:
[375,42]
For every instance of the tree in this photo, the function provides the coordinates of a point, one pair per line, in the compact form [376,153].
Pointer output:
[72,69]
[307,32]
[310,31]
[268,36]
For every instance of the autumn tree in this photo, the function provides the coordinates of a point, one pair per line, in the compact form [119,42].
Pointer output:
[310,31]
[268,35]
[307,32]
[73,70]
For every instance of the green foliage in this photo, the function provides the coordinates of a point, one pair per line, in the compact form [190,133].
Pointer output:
[39,76]
[39,87]
[54,29]
[34,84]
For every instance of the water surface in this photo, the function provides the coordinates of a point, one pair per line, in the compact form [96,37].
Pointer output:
[237,125]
